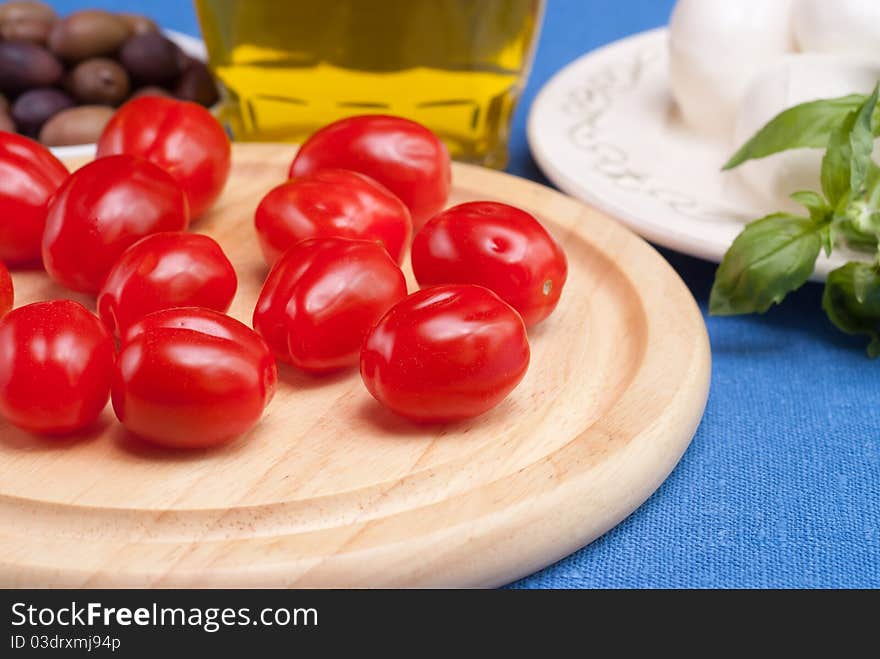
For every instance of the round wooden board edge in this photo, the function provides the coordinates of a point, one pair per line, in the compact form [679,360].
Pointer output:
[559,530]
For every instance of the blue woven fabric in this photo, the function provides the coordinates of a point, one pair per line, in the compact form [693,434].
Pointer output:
[780,486]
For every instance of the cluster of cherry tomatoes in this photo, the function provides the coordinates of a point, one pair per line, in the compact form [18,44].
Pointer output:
[182,373]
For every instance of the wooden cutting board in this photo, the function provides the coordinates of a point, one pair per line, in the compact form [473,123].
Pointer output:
[332,490]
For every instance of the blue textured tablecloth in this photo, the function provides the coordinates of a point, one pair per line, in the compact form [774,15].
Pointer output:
[781,486]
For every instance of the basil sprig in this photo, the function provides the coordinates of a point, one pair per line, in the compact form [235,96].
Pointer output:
[852,301]
[776,255]
[805,125]
[770,258]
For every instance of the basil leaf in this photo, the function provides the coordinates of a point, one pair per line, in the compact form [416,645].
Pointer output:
[854,238]
[861,142]
[857,219]
[770,258]
[805,125]
[847,160]
[820,211]
[813,202]
[836,172]
[852,301]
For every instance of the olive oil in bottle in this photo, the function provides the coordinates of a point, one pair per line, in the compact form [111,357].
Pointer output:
[292,66]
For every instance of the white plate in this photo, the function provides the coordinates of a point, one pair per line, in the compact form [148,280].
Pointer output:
[189,45]
[606,130]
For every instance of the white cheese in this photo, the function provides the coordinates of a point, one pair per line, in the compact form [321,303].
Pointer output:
[838,26]
[716,47]
[793,80]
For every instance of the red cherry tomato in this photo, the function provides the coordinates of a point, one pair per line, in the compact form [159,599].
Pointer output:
[192,378]
[497,246]
[445,353]
[322,298]
[402,155]
[29,174]
[7,295]
[100,211]
[331,202]
[163,271]
[182,138]
[56,363]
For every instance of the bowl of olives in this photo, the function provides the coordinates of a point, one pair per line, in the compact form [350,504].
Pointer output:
[62,78]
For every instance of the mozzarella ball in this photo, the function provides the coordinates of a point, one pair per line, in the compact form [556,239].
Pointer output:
[793,80]
[843,27]
[716,47]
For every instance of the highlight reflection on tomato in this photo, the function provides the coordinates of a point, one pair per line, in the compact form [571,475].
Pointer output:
[322,298]
[402,155]
[328,203]
[56,363]
[163,271]
[29,175]
[445,353]
[182,138]
[192,378]
[101,210]
[497,246]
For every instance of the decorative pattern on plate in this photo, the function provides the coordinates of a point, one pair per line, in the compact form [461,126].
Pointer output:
[587,106]
[606,130]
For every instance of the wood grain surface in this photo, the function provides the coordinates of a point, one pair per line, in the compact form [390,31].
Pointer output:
[332,490]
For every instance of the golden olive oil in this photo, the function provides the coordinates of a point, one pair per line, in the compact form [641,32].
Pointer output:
[292,66]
